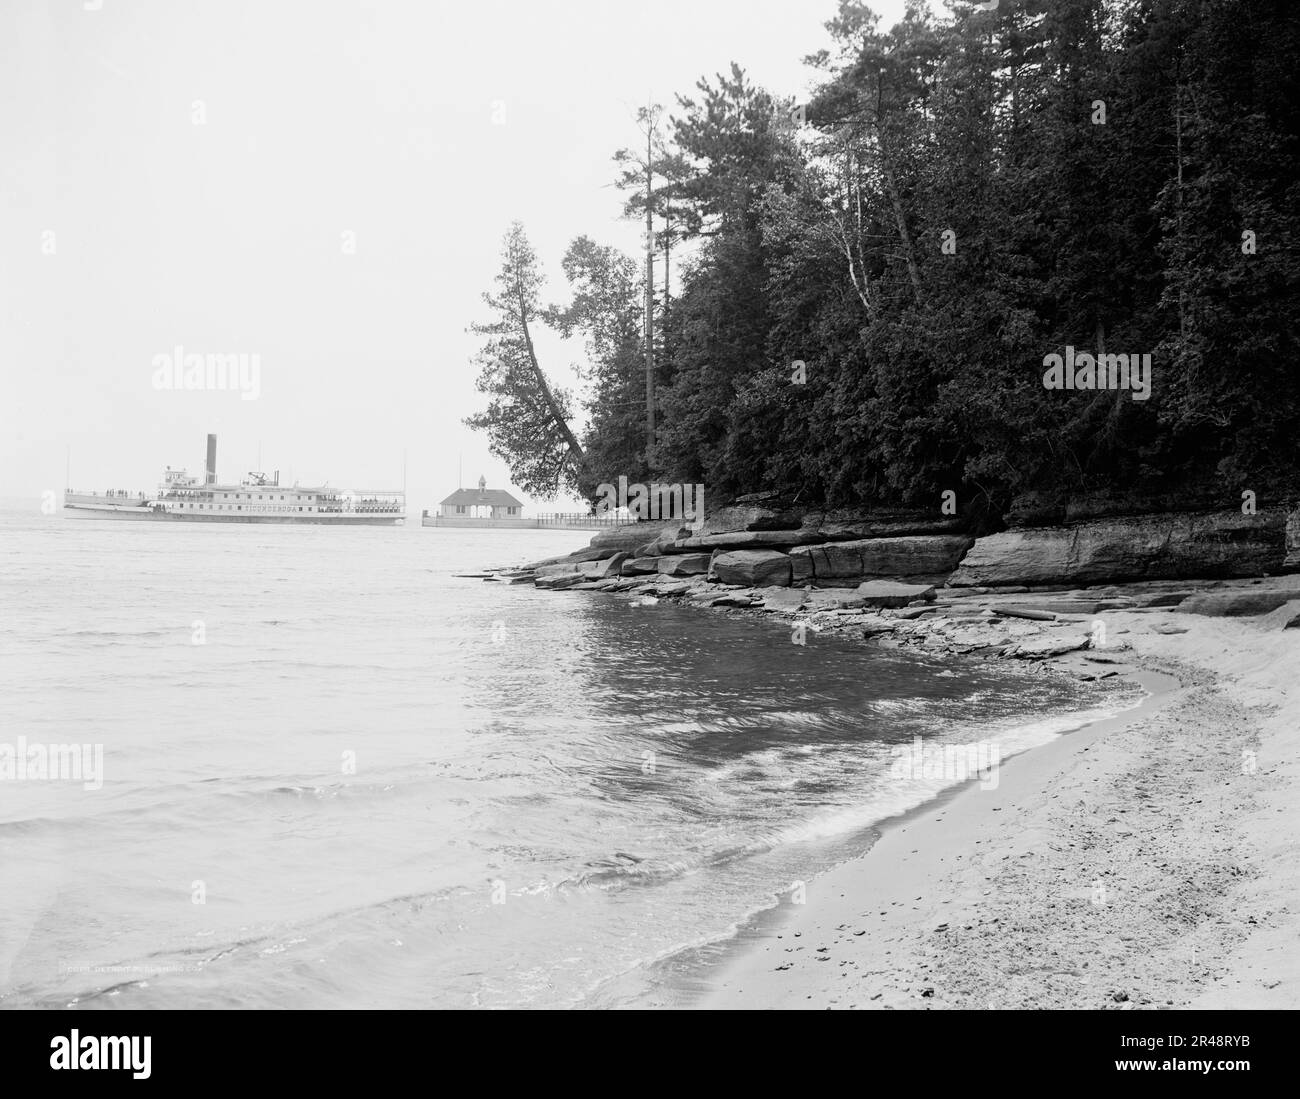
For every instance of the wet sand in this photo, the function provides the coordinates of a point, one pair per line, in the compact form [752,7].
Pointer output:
[1146,861]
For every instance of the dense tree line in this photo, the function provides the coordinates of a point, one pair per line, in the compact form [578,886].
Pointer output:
[963,196]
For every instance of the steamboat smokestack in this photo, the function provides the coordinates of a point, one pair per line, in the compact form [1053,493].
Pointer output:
[211,478]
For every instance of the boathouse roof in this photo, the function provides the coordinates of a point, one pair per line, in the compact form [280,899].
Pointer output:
[481,497]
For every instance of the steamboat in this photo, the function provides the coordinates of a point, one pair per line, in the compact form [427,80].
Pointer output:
[257,499]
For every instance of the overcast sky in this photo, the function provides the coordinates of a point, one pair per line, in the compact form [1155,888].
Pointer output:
[321,183]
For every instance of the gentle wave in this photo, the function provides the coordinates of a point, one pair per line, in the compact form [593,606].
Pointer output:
[902,791]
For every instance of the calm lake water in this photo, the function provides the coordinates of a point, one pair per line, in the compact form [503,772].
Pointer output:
[375,785]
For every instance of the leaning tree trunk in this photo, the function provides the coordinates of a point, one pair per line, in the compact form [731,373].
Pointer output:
[575,451]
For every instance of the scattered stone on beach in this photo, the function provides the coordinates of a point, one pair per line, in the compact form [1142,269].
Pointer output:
[1286,617]
[1118,646]
[1025,612]
[758,568]
[873,625]
[1036,648]
[976,639]
[565,568]
[560,582]
[851,601]
[955,611]
[784,599]
[671,587]
[1166,627]
[1065,606]
[733,599]
[819,600]
[1235,604]
[890,593]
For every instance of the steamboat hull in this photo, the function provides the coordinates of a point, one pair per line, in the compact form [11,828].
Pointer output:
[148,515]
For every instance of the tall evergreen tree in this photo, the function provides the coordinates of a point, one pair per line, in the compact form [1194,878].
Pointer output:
[527,418]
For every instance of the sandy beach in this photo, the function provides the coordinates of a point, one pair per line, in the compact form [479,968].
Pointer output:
[1148,861]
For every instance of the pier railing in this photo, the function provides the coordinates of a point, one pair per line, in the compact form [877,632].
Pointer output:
[574,519]
[553,521]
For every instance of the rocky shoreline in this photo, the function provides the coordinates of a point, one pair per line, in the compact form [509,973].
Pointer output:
[905,581]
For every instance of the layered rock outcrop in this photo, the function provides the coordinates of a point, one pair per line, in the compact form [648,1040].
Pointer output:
[759,568]
[1167,546]
[741,539]
[633,536]
[754,544]
[840,564]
